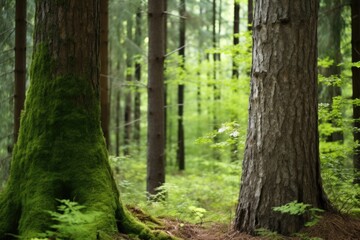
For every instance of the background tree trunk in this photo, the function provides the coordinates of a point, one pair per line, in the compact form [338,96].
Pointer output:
[128,91]
[156,121]
[355,34]
[137,101]
[180,153]
[104,82]
[250,14]
[281,162]
[20,63]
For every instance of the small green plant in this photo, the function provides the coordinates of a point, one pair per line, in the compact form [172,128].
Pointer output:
[70,221]
[263,232]
[296,208]
[198,213]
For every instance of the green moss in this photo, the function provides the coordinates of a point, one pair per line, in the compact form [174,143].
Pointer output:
[61,154]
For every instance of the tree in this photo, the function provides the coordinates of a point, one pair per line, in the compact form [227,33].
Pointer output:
[61,152]
[128,94]
[137,100]
[355,35]
[331,24]
[104,83]
[180,153]
[281,160]
[156,121]
[20,63]
[250,14]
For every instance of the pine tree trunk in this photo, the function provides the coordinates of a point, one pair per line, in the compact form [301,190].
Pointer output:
[156,120]
[180,153]
[250,14]
[137,101]
[128,94]
[20,63]
[281,161]
[61,152]
[104,83]
[355,34]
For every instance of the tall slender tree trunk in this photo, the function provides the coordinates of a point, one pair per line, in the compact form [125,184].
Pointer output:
[250,14]
[61,152]
[117,124]
[137,100]
[128,95]
[180,153]
[235,74]
[167,133]
[156,113]
[333,23]
[20,63]
[104,80]
[281,161]
[355,34]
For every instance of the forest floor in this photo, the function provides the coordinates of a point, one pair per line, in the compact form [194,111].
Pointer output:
[330,227]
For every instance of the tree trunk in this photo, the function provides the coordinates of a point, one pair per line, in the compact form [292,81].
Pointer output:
[156,123]
[355,34]
[20,63]
[250,14]
[104,83]
[180,153]
[128,94]
[117,124]
[332,49]
[61,152]
[281,161]
[235,75]
[137,101]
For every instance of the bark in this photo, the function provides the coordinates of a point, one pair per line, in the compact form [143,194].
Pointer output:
[20,63]
[180,153]
[156,121]
[137,101]
[355,35]
[61,152]
[104,82]
[281,161]
[128,95]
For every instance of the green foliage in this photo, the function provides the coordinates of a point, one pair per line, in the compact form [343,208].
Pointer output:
[263,232]
[296,208]
[71,221]
[205,192]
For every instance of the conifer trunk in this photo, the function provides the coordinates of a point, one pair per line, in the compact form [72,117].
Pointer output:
[281,161]
[20,63]
[61,151]
[156,112]
[355,34]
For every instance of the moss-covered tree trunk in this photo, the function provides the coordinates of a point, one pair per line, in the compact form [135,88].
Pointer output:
[61,152]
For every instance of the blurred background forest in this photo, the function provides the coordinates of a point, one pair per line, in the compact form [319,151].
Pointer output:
[211,84]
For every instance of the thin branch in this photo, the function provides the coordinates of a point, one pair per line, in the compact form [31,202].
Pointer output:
[174,51]
[175,15]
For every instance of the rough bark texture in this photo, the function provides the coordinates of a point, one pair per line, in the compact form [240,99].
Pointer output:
[180,152]
[156,121]
[104,83]
[20,63]
[61,151]
[281,161]
[355,27]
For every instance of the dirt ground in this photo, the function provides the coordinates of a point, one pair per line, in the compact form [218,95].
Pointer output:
[330,227]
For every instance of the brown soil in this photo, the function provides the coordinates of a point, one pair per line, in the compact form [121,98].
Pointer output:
[330,227]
